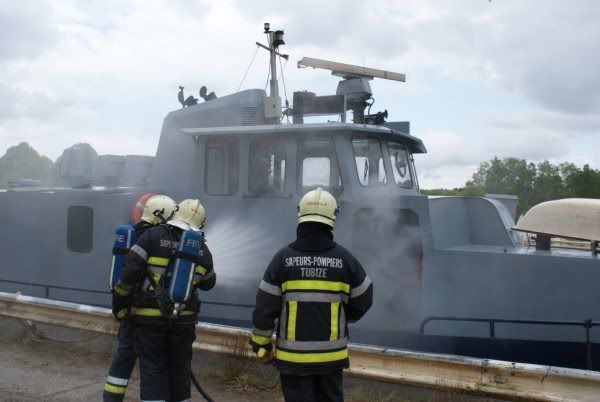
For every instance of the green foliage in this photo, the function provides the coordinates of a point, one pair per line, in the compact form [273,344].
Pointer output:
[23,162]
[472,191]
[582,183]
[531,183]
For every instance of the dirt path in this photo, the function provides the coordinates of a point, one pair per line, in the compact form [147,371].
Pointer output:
[74,369]
[71,365]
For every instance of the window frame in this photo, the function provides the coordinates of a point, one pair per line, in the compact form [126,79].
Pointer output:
[335,190]
[235,168]
[382,162]
[284,177]
[409,170]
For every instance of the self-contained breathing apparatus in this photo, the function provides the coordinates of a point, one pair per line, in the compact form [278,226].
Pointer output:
[125,238]
[173,289]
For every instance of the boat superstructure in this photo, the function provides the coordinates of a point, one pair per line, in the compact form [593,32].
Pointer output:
[444,268]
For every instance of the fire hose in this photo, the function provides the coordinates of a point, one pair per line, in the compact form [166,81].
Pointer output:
[200,389]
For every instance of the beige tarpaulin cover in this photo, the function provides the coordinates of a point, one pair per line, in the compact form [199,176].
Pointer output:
[576,218]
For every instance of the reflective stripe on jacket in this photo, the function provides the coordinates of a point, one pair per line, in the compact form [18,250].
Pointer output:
[313,287]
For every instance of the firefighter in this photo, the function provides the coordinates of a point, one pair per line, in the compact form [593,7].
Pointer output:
[164,335]
[313,287]
[157,209]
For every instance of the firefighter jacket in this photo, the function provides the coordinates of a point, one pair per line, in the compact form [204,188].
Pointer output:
[144,271]
[141,227]
[313,287]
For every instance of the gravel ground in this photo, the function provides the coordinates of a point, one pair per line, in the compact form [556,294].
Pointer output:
[46,363]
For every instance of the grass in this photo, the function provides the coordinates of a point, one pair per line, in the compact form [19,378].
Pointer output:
[371,393]
[236,360]
[238,370]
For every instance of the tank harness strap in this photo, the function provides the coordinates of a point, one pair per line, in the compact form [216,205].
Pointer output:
[119,250]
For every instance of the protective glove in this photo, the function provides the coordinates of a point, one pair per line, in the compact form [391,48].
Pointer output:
[120,306]
[263,352]
[265,356]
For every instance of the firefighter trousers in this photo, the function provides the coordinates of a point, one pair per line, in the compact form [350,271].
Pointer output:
[122,363]
[165,353]
[313,388]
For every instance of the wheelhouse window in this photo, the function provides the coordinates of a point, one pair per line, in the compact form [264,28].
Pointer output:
[221,171]
[369,161]
[318,166]
[267,166]
[399,159]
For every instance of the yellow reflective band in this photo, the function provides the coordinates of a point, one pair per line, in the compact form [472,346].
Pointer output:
[311,357]
[261,340]
[335,309]
[154,312]
[156,278]
[120,291]
[291,327]
[151,312]
[115,389]
[160,261]
[200,270]
[316,285]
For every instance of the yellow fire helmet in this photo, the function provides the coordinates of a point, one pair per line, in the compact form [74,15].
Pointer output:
[189,214]
[318,206]
[158,209]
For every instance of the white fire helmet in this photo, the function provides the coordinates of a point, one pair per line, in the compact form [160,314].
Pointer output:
[158,209]
[318,206]
[189,214]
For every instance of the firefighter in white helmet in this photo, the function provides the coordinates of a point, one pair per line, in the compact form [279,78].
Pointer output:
[165,336]
[157,209]
[311,288]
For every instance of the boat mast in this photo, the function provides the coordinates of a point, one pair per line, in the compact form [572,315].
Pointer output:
[273,103]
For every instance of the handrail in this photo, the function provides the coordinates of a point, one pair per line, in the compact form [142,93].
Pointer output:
[588,324]
[47,289]
[470,375]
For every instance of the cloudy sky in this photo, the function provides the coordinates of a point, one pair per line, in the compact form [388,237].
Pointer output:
[484,78]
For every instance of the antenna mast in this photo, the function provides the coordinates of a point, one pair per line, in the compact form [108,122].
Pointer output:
[273,103]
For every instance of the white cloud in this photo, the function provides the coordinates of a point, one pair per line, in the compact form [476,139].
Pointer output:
[449,160]
[27,27]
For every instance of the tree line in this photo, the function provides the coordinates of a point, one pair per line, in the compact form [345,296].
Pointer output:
[532,183]
[23,162]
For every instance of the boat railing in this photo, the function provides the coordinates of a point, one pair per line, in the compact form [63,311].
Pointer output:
[47,288]
[587,324]
[529,240]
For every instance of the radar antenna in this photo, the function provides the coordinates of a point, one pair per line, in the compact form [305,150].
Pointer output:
[349,70]
[355,85]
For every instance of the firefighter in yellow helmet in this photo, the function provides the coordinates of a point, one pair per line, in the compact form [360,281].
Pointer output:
[157,209]
[189,215]
[165,332]
[312,288]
